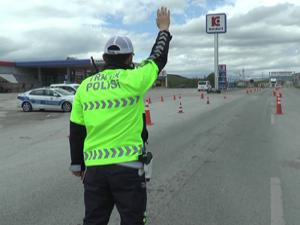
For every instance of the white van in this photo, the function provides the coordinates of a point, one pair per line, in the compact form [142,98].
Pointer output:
[68,87]
[273,82]
[204,86]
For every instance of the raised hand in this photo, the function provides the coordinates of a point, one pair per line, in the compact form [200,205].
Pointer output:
[163,18]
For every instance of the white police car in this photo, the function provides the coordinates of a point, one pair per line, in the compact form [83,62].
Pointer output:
[46,98]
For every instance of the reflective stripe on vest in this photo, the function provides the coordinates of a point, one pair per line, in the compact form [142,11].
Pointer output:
[108,104]
[112,155]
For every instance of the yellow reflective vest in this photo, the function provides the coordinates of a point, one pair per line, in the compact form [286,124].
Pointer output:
[110,104]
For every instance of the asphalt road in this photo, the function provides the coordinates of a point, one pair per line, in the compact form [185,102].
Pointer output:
[233,162]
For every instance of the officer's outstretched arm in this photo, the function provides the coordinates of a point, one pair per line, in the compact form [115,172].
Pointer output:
[144,75]
[160,49]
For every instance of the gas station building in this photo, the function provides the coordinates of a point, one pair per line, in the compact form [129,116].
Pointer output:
[19,76]
[24,75]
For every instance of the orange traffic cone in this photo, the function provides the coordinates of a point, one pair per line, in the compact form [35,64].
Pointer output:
[202,95]
[148,116]
[207,100]
[278,106]
[180,109]
[161,98]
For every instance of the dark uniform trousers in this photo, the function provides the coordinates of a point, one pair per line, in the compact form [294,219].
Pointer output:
[106,186]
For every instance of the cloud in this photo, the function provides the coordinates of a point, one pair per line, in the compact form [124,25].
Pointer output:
[264,38]
[7,45]
[68,27]
[262,35]
[199,2]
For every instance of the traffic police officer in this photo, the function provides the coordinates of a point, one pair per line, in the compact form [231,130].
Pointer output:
[106,126]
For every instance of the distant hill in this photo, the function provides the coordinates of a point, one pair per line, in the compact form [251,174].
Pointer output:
[177,81]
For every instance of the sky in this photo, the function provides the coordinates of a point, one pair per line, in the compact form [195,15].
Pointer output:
[262,35]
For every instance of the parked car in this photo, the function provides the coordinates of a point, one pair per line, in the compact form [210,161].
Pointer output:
[68,87]
[46,98]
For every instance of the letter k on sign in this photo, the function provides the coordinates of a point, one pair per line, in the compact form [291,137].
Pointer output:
[215,21]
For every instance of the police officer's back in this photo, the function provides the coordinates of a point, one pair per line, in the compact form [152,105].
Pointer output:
[106,125]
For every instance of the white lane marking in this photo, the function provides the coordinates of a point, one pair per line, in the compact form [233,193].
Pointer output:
[272,119]
[276,202]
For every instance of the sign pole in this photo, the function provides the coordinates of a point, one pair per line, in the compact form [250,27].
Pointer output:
[216,45]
